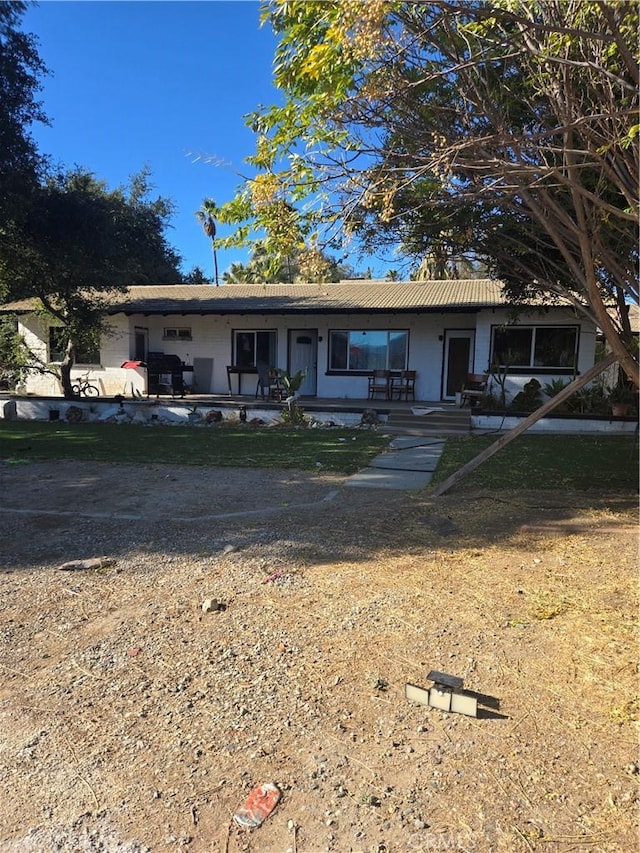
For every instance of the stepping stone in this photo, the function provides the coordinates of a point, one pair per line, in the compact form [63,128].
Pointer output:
[405,442]
[413,459]
[385,478]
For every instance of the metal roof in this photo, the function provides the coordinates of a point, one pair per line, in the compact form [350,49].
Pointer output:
[345,297]
[353,297]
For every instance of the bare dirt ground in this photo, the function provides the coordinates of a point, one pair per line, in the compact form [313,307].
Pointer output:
[131,720]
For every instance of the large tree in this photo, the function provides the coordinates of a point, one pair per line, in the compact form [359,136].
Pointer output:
[309,265]
[21,70]
[79,243]
[507,130]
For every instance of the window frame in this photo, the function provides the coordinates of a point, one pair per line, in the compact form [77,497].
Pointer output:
[178,336]
[532,367]
[52,350]
[257,351]
[360,371]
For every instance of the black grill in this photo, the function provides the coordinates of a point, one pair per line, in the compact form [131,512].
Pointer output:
[164,374]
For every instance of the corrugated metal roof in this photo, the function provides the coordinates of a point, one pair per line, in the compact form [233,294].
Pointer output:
[343,298]
[347,297]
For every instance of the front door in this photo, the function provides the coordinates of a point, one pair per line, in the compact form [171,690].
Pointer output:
[458,360]
[303,355]
[141,343]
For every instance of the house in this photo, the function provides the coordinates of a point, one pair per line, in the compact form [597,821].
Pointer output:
[336,333]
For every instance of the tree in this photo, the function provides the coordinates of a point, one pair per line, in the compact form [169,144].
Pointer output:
[206,216]
[21,70]
[196,275]
[308,265]
[79,243]
[504,131]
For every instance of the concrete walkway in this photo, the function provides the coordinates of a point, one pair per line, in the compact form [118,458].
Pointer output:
[408,464]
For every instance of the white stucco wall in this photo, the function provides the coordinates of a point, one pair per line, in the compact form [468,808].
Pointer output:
[553,317]
[212,339]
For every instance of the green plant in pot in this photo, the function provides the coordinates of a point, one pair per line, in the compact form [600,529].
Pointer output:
[622,398]
[293,415]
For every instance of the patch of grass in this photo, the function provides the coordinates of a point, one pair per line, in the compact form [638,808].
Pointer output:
[548,607]
[340,451]
[563,462]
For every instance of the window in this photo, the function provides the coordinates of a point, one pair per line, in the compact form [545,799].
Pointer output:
[548,348]
[363,351]
[177,334]
[87,350]
[251,348]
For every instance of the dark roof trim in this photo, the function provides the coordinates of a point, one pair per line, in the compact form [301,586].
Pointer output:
[282,312]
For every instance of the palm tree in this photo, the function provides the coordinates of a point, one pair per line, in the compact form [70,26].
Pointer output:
[205,215]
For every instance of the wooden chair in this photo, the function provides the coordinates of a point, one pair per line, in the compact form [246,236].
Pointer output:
[276,388]
[380,383]
[269,385]
[405,385]
[474,388]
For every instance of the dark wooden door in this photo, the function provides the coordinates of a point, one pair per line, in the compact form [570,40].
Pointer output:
[457,364]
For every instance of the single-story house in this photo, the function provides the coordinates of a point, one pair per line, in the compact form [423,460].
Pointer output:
[336,333]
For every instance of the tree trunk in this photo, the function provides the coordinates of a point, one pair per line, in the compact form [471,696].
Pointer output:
[65,370]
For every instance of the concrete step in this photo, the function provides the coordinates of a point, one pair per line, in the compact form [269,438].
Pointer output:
[448,421]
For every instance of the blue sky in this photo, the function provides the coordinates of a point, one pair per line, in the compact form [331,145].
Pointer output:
[158,84]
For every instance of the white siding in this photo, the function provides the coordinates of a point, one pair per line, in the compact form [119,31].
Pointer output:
[212,339]
[552,317]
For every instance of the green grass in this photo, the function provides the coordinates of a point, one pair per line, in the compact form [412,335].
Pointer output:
[343,451]
[580,463]
[563,462]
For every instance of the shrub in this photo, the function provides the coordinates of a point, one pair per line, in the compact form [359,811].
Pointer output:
[529,399]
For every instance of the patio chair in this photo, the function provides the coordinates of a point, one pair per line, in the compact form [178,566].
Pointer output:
[405,385]
[262,387]
[474,388]
[277,390]
[269,384]
[380,383]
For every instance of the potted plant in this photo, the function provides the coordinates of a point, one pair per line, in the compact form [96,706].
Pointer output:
[293,415]
[622,397]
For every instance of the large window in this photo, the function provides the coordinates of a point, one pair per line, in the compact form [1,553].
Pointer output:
[251,348]
[87,349]
[535,347]
[363,351]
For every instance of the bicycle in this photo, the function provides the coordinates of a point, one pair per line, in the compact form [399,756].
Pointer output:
[83,388]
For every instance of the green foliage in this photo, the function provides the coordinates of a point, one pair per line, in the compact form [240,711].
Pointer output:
[306,265]
[377,138]
[623,392]
[591,400]
[80,242]
[529,399]
[196,275]
[553,388]
[292,383]
[499,374]
[293,415]
[13,359]
[21,70]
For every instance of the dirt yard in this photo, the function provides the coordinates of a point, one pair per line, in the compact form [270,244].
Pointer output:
[133,721]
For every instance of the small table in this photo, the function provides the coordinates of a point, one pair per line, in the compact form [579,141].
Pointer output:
[239,371]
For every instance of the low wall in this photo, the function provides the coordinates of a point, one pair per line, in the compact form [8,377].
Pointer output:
[152,411]
[494,422]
